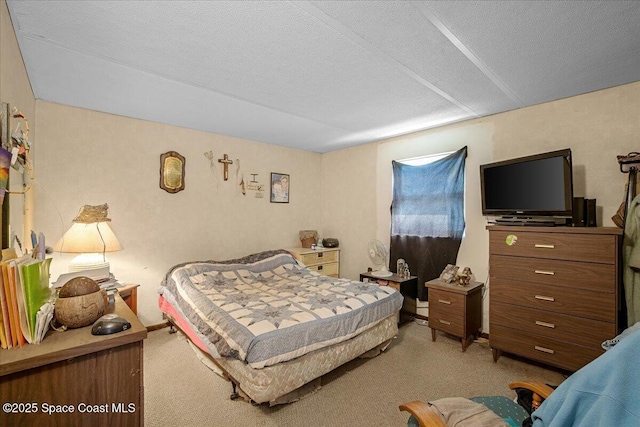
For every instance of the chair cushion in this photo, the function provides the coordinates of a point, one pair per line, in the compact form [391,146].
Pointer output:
[503,407]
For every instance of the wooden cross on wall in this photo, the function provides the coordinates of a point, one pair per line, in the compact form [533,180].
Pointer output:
[226,162]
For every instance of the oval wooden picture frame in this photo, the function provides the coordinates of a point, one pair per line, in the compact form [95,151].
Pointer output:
[172,172]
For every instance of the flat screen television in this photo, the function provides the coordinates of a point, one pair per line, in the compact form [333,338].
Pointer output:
[532,186]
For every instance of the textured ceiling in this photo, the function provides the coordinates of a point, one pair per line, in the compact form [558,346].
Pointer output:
[317,75]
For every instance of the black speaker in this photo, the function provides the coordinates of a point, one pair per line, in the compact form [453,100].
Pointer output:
[578,212]
[590,212]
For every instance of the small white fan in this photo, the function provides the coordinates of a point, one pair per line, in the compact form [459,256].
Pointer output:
[379,255]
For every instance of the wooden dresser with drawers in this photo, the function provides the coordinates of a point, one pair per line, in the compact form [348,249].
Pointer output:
[554,292]
[325,261]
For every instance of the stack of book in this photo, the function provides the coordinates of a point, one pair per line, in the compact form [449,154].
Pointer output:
[25,299]
[102,277]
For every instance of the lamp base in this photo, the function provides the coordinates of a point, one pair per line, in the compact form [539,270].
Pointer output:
[90,262]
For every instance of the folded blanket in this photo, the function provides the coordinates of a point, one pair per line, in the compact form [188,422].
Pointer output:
[461,412]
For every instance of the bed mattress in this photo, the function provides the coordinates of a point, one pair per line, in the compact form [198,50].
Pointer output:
[278,383]
[267,308]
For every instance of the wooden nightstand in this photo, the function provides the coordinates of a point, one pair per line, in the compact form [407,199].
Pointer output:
[407,286]
[456,310]
[100,377]
[129,293]
[325,261]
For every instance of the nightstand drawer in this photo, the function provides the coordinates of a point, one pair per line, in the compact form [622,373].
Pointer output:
[318,257]
[451,324]
[446,301]
[325,269]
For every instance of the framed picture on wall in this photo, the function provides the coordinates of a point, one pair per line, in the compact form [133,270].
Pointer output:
[279,187]
[172,172]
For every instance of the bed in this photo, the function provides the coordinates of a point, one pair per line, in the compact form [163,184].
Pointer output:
[272,325]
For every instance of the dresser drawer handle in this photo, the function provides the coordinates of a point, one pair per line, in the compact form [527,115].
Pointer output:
[548,273]
[543,298]
[320,267]
[544,349]
[320,254]
[545,324]
[539,245]
[444,301]
[444,321]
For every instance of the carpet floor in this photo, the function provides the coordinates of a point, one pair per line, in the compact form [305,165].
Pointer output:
[181,390]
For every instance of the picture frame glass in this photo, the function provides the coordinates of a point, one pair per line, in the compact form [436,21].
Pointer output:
[279,187]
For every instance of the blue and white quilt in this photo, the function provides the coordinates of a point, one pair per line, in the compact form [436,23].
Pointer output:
[267,308]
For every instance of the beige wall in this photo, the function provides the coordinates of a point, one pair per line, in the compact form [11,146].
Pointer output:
[15,90]
[349,204]
[94,158]
[596,126]
[90,158]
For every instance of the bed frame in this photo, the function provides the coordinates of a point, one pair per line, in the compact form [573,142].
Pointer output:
[287,381]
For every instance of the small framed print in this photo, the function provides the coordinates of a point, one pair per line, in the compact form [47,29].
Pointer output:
[279,188]
[449,273]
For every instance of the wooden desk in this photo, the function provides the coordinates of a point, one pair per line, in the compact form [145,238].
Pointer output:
[100,378]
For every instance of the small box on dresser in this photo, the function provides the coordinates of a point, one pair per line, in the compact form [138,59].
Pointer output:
[554,292]
[325,261]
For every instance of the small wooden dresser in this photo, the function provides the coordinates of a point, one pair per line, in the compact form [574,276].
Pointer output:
[554,292]
[74,378]
[456,310]
[325,261]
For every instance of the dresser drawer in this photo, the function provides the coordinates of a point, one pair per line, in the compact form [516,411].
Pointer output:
[572,247]
[575,302]
[319,257]
[587,332]
[330,269]
[595,277]
[558,353]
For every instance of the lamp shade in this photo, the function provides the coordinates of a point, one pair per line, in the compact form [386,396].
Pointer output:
[95,237]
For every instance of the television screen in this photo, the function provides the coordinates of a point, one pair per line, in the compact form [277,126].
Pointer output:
[533,185]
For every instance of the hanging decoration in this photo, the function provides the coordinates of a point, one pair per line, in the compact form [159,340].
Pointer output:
[212,166]
[225,164]
[15,149]
[254,185]
[172,166]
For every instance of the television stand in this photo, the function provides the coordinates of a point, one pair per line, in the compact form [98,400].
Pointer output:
[530,221]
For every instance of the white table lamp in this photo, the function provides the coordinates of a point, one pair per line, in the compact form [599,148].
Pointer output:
[91,236]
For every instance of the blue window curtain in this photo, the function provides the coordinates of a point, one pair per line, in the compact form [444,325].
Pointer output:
[427,216]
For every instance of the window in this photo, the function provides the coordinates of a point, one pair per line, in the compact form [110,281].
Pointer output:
[427,213]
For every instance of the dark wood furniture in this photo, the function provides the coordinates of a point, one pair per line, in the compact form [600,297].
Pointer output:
[455,309]
[407,286]
[554,292]
[129,293]
[99,378]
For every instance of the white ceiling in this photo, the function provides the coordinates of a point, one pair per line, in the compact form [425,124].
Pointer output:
[322,75]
